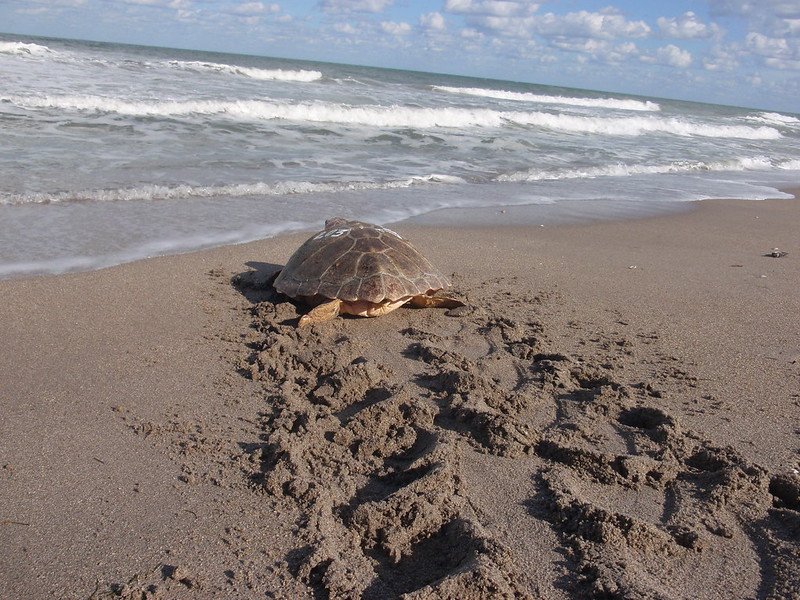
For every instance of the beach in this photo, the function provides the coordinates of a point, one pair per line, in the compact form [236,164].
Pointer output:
[614,413]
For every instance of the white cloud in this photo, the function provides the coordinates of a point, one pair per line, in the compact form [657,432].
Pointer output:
[344,6]
[674,56]
[256,8]
[516,27]
[398,29]
[607,24]
[48,4]
[178,4]
[471,34]
[686,27]
[598,50]
[175,4]
[773,30]
[345,28]
[779,8]
[774,18]
[766,46]
[778,53]
[497,8]
[432,21]
[721,58]
[792,27]
[670,55]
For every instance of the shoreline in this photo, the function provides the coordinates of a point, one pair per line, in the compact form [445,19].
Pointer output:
[570,212]
[567,212]
[637,376]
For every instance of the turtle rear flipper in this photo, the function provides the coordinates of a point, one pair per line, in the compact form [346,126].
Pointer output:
[319,314]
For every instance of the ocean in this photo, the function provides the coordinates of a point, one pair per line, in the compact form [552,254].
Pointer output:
[111,153]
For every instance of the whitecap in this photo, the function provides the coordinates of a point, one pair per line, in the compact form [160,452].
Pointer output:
[772,118]
[615,103]
[251,72]
[23,49]
[790,165]
[396,116]
[184,191]
[754,163]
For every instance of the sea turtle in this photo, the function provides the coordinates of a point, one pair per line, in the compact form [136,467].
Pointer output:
[360,269]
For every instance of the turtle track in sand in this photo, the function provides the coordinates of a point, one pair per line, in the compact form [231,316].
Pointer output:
[371,448]
[358,448]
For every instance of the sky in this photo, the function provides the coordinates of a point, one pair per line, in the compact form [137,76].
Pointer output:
[738,52]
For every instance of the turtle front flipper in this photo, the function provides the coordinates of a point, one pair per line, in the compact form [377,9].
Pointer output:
[319,314]
[425,301]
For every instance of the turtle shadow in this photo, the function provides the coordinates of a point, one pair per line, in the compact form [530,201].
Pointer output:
[255,284]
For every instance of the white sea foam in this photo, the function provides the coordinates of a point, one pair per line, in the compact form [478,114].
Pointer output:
[164,192]
[772,118]
[755,163]
[174,245]
[346,80]
[23,49]
[616,103]
[790,165]
[634,126]
[251,72]
[396,116]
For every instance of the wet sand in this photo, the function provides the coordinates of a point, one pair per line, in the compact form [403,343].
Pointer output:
[614,414]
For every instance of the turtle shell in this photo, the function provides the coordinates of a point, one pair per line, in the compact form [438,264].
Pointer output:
[351,260]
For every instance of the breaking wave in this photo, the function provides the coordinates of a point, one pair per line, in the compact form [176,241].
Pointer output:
[617,103]
[757,163]
[183,191]
[790,165]
[23,49]
[771,118]
[395,116]
[251,72]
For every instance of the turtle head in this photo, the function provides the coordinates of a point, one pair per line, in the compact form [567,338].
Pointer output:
[335,222]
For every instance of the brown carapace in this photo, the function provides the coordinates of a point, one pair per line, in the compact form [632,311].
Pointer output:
[360,269]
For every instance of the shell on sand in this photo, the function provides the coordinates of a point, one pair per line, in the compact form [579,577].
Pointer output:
[351,260]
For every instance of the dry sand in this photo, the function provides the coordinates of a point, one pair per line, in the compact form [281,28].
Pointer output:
[613,415]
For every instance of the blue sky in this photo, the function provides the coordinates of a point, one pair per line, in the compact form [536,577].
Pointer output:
[742,52]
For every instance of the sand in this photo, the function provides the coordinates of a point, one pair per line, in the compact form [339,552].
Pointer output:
[614,414]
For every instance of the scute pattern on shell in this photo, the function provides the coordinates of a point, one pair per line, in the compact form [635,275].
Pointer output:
[351,260]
